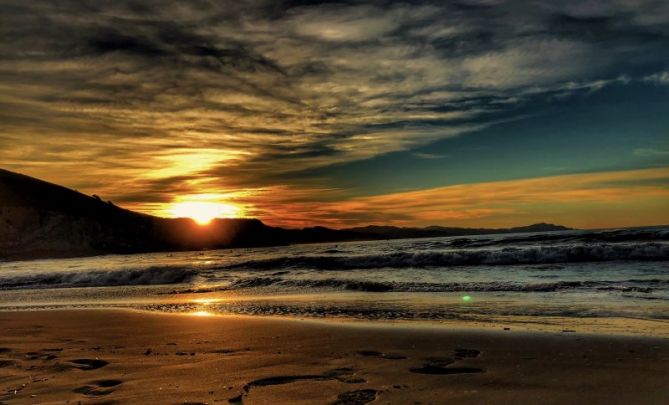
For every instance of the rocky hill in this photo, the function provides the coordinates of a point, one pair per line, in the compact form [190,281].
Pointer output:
[39,220]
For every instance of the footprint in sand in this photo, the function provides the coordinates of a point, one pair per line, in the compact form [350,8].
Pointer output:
[88,364]
[224,351]
[236,400]
[387,356]
[284,379]
[436,369]
[344,375]
[39,356]
[7,363]
[98,388]
[466,353]
[358,397]
[440,365]
[230,351]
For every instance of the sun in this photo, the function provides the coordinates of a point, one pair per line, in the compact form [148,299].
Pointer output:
[203,212]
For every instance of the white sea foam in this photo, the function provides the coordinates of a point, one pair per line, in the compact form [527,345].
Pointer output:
[100,278]
[575,253]
[593,273]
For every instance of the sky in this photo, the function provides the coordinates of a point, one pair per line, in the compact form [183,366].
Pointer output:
[414,113]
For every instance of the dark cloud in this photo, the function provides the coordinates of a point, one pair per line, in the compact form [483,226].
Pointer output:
[617,30]
[295,84]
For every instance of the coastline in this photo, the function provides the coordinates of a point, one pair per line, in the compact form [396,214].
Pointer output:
[125,356]
[610,326]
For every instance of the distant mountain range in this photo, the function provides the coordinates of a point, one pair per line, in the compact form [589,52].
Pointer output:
[44,220]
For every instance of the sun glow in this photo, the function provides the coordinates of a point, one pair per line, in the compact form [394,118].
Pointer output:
[206,301]
[201,313]
[204,212]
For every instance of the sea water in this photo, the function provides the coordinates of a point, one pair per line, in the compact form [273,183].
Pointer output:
[569,274]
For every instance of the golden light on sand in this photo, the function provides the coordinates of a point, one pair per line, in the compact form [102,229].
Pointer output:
[201,313]
[203,212]
[206,301]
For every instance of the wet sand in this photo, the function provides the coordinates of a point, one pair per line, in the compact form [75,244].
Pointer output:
[116,356]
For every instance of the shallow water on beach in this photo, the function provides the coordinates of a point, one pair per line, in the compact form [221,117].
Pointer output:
[573,274]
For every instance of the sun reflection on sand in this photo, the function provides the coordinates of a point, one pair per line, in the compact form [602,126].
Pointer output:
[206,301]
[202,306]
[201,313]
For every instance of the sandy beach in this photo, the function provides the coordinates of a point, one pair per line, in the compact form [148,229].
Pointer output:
[334,202]
[117,356]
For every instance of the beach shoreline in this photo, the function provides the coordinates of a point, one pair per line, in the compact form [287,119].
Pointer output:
[123,356]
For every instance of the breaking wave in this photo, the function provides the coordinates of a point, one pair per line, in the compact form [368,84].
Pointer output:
[641,286]
[141,276]
[551,238]
[652,251]
[588,237]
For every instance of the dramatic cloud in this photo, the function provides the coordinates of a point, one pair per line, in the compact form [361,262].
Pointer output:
[143,101]
[628,198]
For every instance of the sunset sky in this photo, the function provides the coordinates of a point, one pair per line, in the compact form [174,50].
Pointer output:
[464,113]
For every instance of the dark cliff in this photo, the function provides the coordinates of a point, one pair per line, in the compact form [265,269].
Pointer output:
[39,219]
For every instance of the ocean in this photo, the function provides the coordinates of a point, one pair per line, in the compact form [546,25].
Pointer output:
[526,278]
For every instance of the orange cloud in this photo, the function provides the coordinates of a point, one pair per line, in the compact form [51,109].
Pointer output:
[593,200]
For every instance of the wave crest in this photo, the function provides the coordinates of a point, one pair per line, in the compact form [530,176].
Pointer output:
[506,256]
[494,286]
[99,278]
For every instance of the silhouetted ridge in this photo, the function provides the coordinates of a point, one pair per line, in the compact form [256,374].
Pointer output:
[39,219]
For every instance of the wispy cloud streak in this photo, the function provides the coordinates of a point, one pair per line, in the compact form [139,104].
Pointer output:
[595,200]
[127,91]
